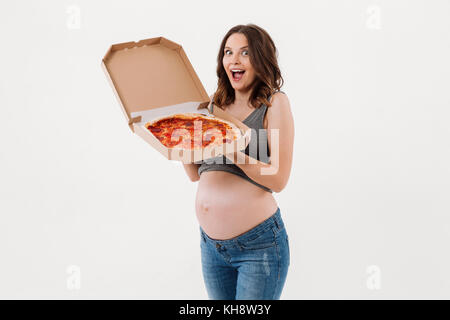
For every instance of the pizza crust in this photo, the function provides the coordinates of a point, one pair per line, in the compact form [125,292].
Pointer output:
[231,134]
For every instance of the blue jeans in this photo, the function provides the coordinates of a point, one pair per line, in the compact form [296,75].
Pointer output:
[251,266]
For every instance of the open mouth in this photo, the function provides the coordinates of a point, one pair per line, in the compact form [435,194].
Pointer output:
[237,75]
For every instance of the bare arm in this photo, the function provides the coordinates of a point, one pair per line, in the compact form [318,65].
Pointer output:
[280,128]
[192,171]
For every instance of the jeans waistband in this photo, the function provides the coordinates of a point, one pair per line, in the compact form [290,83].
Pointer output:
[274,221]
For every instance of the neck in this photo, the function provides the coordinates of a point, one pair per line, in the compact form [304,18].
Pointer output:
[242,97]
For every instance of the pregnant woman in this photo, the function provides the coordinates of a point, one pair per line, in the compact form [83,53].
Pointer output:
[243,239]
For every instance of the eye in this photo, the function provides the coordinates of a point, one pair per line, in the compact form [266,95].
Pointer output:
[246,51]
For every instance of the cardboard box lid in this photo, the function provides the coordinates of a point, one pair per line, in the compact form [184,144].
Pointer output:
[151,73]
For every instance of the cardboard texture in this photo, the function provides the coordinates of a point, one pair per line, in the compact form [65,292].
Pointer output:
[154,77]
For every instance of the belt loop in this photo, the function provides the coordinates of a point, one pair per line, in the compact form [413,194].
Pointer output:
[276,223]
[202,235]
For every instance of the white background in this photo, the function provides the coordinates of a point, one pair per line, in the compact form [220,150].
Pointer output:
[90,210]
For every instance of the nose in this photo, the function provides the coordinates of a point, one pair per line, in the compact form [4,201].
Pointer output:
[235,59]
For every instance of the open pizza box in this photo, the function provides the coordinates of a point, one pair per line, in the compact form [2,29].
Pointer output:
[153,78]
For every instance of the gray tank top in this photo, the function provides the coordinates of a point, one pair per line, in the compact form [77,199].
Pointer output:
[257,148]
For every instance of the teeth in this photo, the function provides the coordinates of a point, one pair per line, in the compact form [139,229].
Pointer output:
[236,70]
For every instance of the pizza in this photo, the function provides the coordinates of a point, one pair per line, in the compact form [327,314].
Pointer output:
[190,131]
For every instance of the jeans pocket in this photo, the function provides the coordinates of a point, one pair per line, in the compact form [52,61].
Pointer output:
[263,241]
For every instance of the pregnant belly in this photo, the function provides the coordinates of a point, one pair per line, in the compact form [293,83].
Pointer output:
[228,205]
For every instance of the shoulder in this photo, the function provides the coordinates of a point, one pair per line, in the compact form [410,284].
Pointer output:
[279,98]
[280,106]
[278,112]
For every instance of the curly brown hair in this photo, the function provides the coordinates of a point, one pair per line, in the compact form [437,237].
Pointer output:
[263,57]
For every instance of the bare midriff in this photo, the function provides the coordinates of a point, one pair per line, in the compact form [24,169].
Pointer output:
[228,205]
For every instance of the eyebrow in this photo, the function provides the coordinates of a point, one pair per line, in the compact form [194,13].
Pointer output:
[241,48]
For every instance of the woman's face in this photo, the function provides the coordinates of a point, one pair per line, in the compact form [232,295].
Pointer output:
[236,57]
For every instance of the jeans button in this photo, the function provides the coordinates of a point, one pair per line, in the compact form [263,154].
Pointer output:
[217,245]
